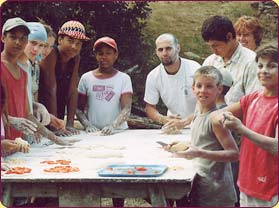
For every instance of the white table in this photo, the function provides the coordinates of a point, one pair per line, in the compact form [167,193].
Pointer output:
[86,188]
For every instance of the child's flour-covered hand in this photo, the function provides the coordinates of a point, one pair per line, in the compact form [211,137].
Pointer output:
[23,125]
[107,130]
[41,113]
[91,128]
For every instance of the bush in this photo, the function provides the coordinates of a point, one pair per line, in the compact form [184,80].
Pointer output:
[123,21]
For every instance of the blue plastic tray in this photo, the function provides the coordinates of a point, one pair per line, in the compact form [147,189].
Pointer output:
[133,170]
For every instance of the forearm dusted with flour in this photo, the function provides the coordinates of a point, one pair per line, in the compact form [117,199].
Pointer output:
[122,117]
[82,118]
[126,105]
[154,114]
[42,130]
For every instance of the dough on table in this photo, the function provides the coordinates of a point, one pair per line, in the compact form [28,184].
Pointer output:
[171,131]
[101,146]
[15,161]
[114,147]
[176,168]
[104,154]
[22,145]
[22,142]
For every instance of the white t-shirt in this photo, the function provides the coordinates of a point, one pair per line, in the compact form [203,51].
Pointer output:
[243,68]
[27,68]
[104,97]
[33,76]
[174,90]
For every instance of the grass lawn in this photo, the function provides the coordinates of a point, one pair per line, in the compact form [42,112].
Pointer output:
[184,19]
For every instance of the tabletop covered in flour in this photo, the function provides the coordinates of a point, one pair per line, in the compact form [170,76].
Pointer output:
[94,152]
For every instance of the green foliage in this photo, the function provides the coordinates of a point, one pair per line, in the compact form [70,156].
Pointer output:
[135,25]
[123,21]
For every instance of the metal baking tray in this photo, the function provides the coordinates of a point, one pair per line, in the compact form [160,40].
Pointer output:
[137,170]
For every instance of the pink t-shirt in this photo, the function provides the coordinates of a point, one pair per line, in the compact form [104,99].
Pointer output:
[258,170]
[16,97]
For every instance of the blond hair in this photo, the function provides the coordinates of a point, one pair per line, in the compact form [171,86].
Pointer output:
[210,72]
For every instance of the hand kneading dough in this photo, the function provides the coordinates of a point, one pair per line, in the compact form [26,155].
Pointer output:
[180,146]
[20,141]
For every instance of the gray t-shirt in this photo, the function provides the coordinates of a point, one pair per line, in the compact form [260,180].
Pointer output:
[214,185]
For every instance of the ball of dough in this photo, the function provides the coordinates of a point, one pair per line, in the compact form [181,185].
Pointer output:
[180,146]
[20,141]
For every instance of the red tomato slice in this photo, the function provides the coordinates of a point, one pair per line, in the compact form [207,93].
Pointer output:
[62,169]
[19,170]
[63,162]
[129,171]
[139,168]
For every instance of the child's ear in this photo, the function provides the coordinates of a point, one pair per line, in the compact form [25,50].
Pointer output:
[220,89]
[193,87]
[2,38]
[229,36]
[59,40]
[116,55]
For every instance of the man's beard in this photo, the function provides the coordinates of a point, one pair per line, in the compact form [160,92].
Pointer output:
[167,63]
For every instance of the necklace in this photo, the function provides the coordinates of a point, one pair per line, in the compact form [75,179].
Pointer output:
[33,70]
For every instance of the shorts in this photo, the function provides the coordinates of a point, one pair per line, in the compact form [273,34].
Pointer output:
[249,201]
